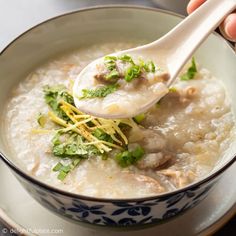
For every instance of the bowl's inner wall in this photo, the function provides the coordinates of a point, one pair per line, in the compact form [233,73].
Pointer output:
[96,25]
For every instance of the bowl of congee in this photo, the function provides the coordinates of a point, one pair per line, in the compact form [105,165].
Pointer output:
[136,171]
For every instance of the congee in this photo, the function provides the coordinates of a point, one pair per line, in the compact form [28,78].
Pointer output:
[120,85]
[176,142]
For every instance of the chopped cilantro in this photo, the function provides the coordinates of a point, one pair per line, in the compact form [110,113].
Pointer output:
[99,92]
[53,95]
[71,148]
[72,143]
[191,72]
[127,158]
[101,135]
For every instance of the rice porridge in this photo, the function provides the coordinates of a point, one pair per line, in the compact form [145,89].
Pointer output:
[177,142]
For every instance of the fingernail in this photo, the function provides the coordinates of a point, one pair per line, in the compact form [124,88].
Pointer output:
[230,27]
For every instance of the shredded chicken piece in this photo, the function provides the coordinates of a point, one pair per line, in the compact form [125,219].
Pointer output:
[154,160]
[149,139]
[190,92]
[184,95]
[179,178]
[101,75]
[35,166]
[164,77]
[149,182]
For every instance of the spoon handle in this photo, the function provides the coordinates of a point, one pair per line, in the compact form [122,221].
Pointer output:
[190,33]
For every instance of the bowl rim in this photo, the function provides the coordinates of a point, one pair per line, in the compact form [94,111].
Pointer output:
[51,188]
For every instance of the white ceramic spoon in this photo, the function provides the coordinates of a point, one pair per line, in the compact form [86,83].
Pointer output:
[170,52]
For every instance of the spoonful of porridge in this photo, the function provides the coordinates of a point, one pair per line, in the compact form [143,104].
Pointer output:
[127,83]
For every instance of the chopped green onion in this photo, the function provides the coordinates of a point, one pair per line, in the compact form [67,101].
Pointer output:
[66,169]
[62,175]
[110,62]
[57,167]
[132,73]
[127,158]
[112,75]
[41,119]
[150,67]
[191,72]
[110,58]
[139,118]
[126,58]
[138,153]
[172,90]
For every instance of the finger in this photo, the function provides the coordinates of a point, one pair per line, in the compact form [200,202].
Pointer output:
[228,27]
[193,5]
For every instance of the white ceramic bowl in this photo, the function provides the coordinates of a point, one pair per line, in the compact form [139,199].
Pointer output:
[88,26]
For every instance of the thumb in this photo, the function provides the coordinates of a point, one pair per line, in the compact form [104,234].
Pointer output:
[228,27]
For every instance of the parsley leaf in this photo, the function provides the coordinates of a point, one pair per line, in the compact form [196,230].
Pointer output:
[127,158]
[99,92]
[191,72]
[70,148]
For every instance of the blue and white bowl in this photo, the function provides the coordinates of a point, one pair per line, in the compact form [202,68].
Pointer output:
[89,26]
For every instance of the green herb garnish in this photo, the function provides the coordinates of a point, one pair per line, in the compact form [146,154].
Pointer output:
[65,170]
[114,74]
[99,92]
[191,72]
[73,147]
[101,135]
[41,119]
[57,167]
[139,118]
[81,136]
[172,90]
[149,66]
[127,158]
[126,58]
[53,95]
[110,62]
[132,73]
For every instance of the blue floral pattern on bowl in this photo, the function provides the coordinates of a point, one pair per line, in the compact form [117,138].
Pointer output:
[120,213]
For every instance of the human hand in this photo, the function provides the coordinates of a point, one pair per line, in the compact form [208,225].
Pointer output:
[227,27]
